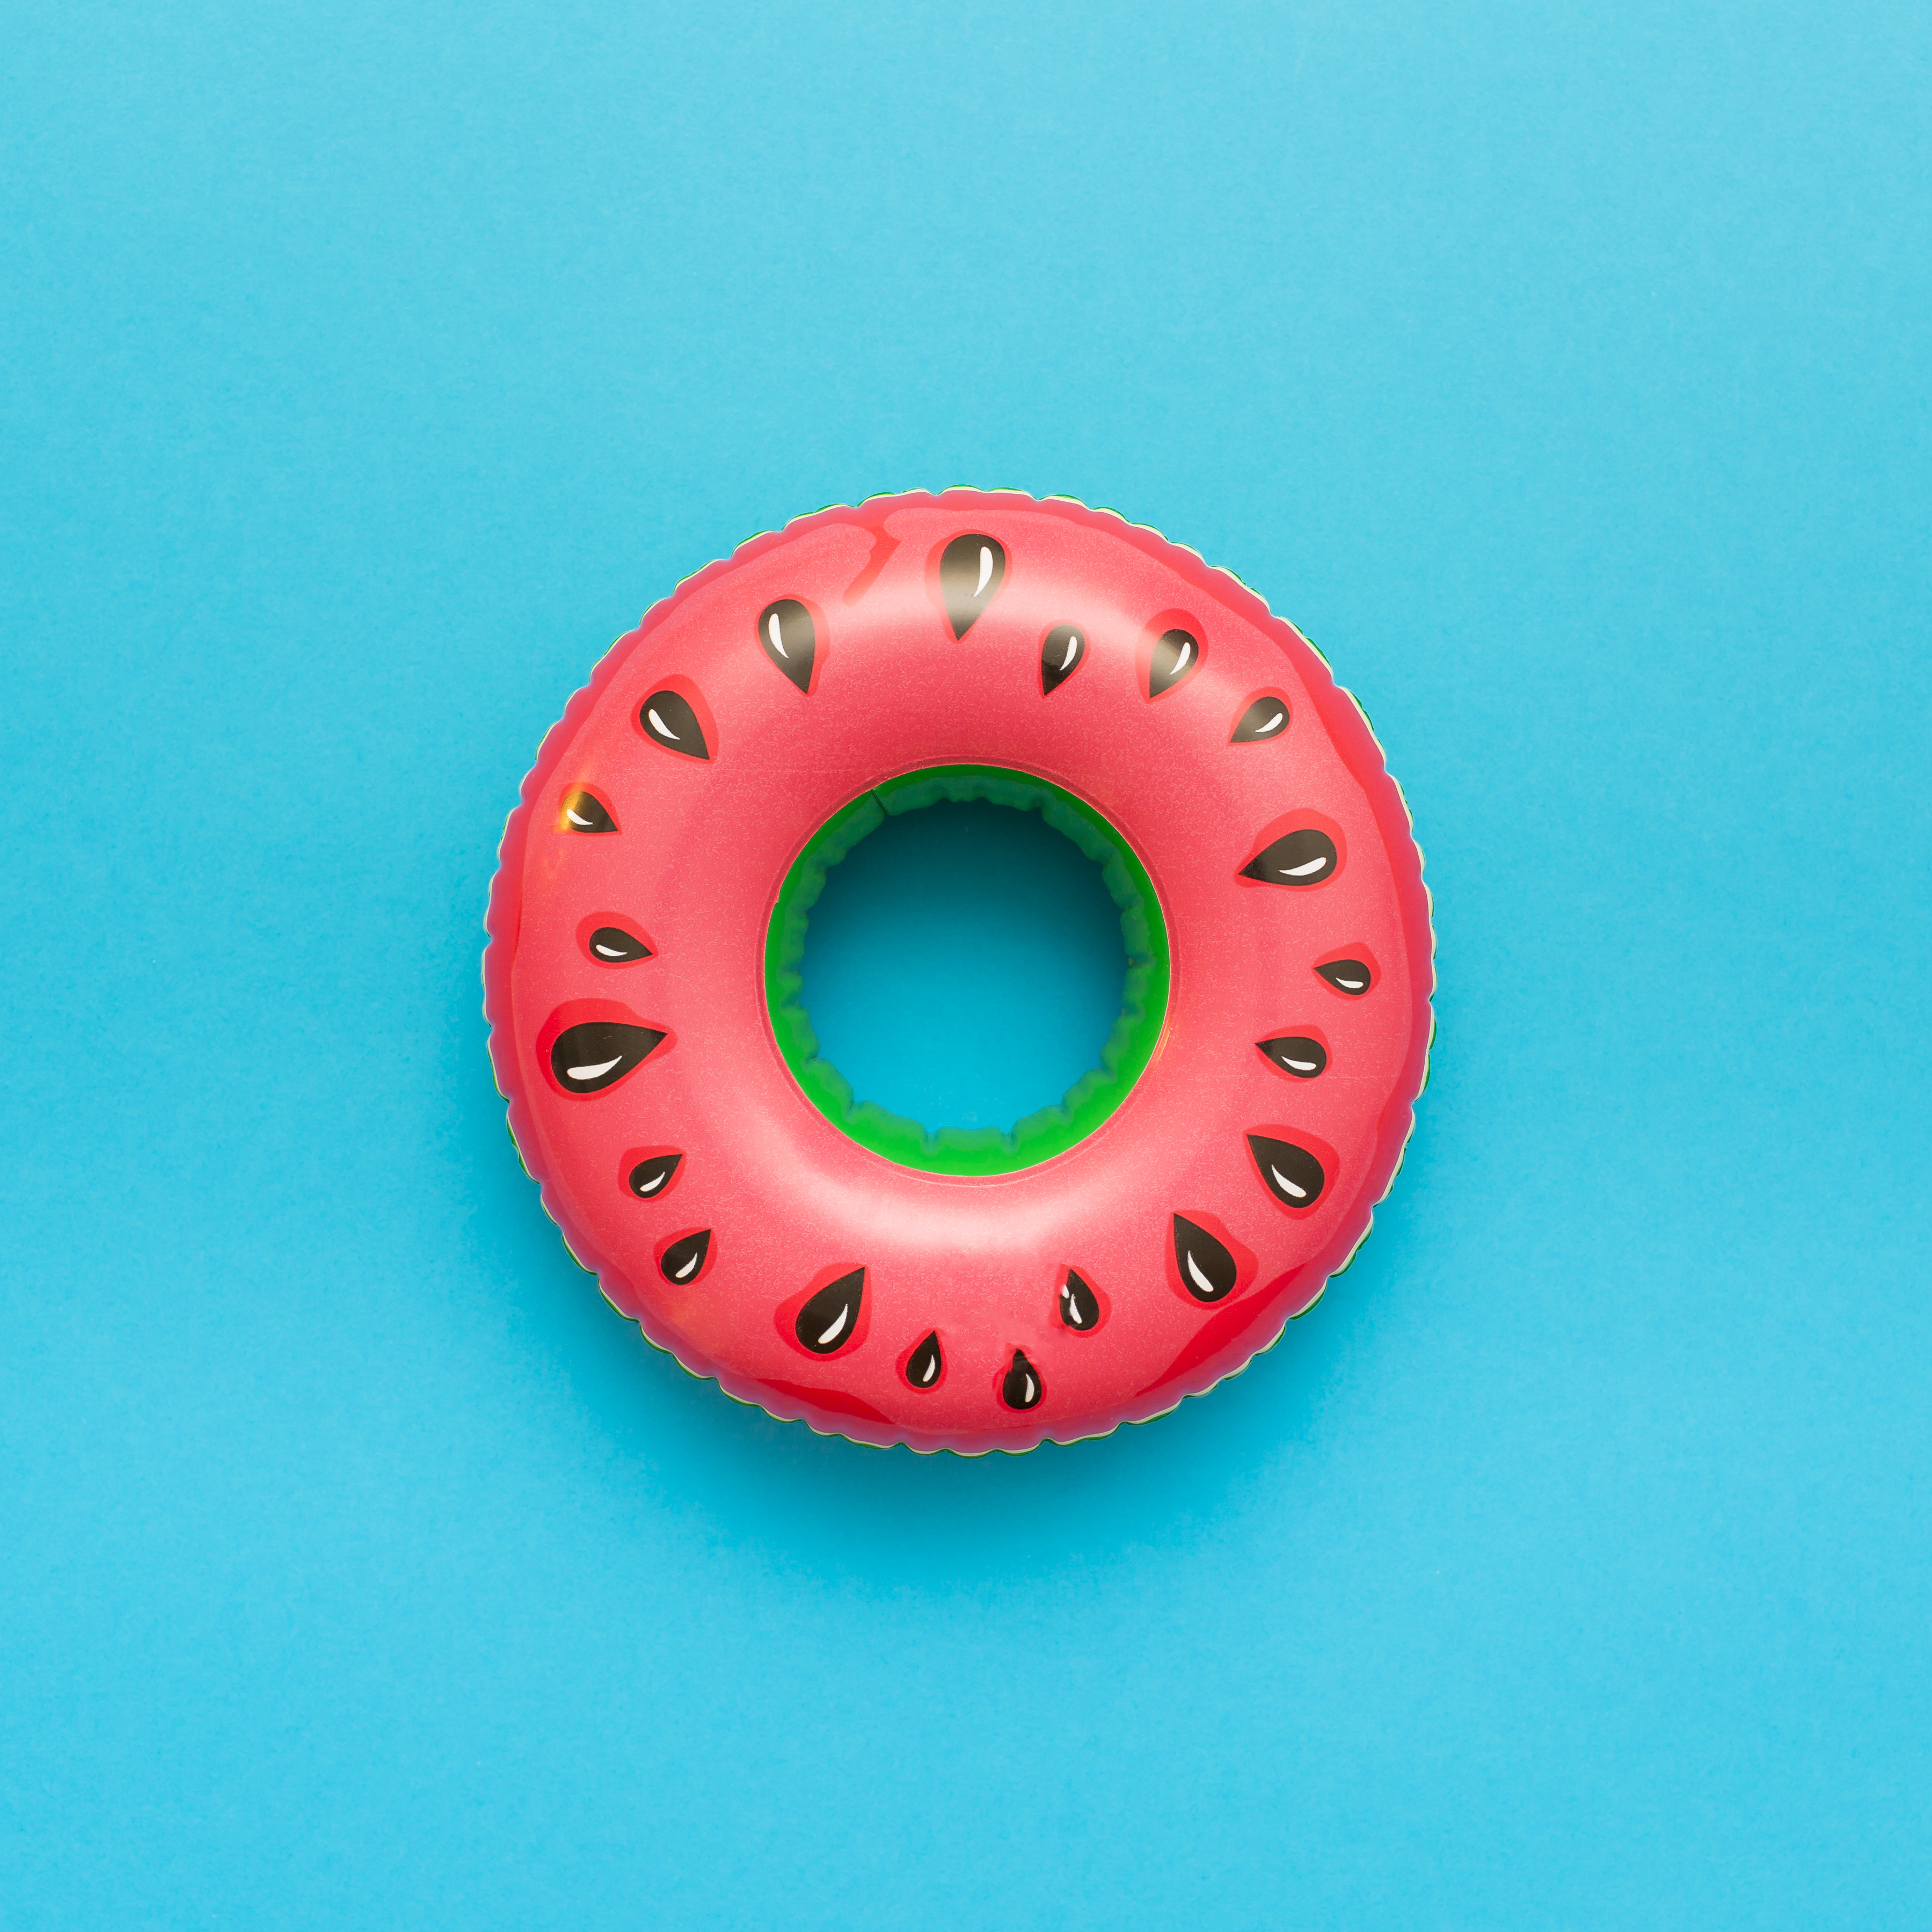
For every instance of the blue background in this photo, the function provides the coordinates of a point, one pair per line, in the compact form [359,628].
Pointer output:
[1563,371]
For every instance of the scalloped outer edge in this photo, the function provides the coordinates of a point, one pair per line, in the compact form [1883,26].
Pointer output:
[1348,726]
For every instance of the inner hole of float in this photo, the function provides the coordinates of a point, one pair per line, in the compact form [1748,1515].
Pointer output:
[963,966]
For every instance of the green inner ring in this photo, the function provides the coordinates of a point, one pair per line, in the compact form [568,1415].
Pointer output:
[1093,1097]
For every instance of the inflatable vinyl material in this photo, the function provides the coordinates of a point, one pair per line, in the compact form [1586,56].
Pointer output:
[832,1262]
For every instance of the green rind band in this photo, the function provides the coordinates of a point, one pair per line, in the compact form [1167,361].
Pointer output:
[1093,1097]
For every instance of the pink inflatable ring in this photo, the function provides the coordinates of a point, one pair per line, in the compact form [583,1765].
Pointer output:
[830,1261]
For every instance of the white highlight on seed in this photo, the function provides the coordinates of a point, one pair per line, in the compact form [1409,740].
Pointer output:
[576,817]
[931,1369]
[778,642]
[1351,985]
[610,952]
[1073,651]
[1302,1066]
[1298,871]
[686,1269]
[985,568]
[592,1072]
[652,1185]
[844,1315]
[1206,1286]
[658,725]
[1299,1193]
[1280,717]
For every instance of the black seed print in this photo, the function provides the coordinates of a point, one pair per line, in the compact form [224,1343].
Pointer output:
[1021,1389]
[790,639]
[586,1059]
[1079,1305]
[668,720]
[1062,652]
[1208,1270]
[1303,858]
[583,813]
[1296,1054]
[1293,1174]
[1177,654]
[1347,976]
[827,1321]
[925,1365]
[1266,718]
[612,946]
[683,1260]
[971,569]
[649,1178]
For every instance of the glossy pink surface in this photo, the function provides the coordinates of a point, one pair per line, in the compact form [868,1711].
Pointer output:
[703,845]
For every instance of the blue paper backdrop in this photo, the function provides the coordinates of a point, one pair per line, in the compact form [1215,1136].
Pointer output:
[1562,370]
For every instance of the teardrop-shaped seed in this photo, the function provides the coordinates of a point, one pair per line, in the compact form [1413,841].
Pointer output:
[650,1177]
[597,1054]
[1176,654]
[1020,1388]
[584,812]
[790,639]
[1347,976]
[924,1365]
[1294,1175]
[668,720]
[1079,1305]
[1061,654]
[829,1319]
[1303,858]
[612,946]
[683,1260]
[971,569]
[1296,1054]
[1208,1270]
[1266,718]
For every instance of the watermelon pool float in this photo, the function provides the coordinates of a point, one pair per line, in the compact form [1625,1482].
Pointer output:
[836,1264]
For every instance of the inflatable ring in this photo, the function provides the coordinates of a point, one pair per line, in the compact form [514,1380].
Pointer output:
[832,1263]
